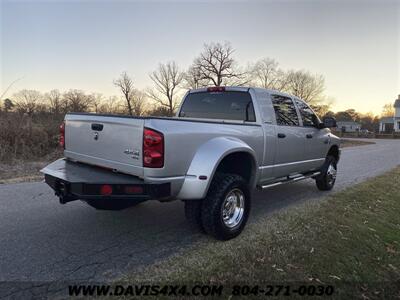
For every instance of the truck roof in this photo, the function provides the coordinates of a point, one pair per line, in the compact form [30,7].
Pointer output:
[240,89]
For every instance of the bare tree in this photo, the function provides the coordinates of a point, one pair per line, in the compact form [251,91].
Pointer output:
[159,111]
[77,101]
[321,110]
[54,99]
[355,116]
[27,101]
[112,105]
[96,100]
[193,78]
[167,79]
[305,85]
[216,65]
[139,102]
[267,74]
[343,116]
[125,84]
[387,110]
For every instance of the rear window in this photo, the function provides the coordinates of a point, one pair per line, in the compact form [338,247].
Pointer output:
[219,105]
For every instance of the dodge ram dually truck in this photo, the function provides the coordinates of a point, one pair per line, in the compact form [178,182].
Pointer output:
[223,143]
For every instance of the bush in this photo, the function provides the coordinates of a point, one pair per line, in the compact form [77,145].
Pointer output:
[28,137]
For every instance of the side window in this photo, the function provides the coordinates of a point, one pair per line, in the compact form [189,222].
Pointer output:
[285,111]
[307,115]
[250,113]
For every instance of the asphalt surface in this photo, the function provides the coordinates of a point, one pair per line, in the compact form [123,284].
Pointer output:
[41,240]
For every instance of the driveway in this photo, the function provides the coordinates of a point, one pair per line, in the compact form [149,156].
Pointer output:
[41,240]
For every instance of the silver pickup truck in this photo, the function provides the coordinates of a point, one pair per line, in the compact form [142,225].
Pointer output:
[223,143]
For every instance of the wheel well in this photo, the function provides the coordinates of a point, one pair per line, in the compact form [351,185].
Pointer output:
[240,163]
[334,151]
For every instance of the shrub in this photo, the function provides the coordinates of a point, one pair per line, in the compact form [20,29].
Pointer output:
[27,137]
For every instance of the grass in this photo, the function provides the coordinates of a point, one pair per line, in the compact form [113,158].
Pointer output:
[353,143]
[350,240]
[24,170]
[20,172]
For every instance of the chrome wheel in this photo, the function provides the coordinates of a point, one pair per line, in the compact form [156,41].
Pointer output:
[331,174]
[233,208]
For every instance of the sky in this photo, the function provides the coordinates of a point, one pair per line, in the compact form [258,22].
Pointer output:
[85,45]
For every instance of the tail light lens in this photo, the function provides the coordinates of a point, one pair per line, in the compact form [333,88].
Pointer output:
[132,189]
[216,89]
[153,148]
[106,190]
[61,140]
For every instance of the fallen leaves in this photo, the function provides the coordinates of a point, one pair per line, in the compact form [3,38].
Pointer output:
[390,249]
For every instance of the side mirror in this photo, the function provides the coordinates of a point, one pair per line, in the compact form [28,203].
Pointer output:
[329,122]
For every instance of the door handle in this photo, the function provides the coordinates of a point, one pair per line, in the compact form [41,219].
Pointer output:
[309,136]
[281,135]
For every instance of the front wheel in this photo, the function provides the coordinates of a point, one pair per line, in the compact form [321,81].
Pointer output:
[225,210]
[327,179]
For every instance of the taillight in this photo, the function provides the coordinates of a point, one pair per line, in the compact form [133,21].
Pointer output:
[153,148]
[132,189]
[61,140]
[106,190]
[216,89]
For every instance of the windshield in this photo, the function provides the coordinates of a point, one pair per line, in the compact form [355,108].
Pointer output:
[219,105]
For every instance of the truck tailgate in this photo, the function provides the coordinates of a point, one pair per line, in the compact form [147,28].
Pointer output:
[108,141]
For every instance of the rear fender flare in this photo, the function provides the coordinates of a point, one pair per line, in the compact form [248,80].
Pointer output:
[205,162]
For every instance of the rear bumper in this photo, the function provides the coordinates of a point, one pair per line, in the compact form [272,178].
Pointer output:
[72,181]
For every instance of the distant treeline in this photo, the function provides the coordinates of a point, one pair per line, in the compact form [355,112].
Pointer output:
[29,119]
[31,132]
[215,65]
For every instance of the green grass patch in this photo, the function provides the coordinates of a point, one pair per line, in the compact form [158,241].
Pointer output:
[350,240]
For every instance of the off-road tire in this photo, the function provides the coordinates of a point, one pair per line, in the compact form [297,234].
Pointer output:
[111,204]
[211,208]
[324,183]
[193,214]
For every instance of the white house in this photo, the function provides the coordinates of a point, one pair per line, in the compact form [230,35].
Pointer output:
[348,126]
[390,124]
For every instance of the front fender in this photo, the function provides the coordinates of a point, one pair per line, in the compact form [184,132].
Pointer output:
[205,163]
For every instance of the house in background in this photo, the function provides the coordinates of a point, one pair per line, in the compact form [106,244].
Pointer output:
[348,126]
[390,124]
[386,124]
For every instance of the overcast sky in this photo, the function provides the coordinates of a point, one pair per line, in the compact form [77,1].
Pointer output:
[87,44]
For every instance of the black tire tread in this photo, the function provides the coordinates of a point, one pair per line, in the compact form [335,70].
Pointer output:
[321,181]
[210,205]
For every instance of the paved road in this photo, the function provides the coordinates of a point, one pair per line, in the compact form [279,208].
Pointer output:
[41,240]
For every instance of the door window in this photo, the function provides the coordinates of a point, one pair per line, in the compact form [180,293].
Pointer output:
[309,118]
[285,111]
